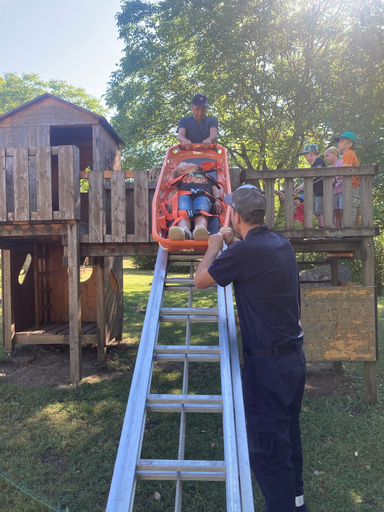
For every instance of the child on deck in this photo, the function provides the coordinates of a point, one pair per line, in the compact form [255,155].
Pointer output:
[202,189]
[332,157]
[298,211]
[311,153]
[346,143]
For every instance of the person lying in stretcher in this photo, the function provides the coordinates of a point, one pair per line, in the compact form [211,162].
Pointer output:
[192,194]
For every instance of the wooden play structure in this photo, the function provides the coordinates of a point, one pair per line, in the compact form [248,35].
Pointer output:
[47,146]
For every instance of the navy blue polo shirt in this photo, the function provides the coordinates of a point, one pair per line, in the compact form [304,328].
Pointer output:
[197,132]
[264,271]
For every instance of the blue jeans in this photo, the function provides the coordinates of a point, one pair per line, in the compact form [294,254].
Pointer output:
[194,203]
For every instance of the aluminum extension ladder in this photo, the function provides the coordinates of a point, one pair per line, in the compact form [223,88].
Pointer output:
[235,469]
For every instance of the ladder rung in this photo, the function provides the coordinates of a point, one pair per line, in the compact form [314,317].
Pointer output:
[190,311]
[187,408]
[180,280]
[192,358]
[179,318]
[218,466]
[185,399]
[182,349]
[181,288]
[184,475]
[184,258]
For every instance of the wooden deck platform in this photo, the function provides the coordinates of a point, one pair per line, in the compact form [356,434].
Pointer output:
[56,333]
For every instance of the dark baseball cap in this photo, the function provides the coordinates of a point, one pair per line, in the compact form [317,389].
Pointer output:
[200,100]
[246,199]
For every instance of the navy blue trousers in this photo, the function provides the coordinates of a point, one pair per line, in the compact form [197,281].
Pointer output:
[273,390]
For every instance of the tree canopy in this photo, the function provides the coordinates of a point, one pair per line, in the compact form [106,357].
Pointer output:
[277,74]
[16,90]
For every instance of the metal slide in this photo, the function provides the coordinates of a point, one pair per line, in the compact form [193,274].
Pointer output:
[234,470]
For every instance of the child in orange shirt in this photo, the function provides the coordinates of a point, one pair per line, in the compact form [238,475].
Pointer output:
[346,143]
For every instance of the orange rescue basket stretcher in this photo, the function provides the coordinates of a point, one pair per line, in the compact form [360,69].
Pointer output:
[196,155]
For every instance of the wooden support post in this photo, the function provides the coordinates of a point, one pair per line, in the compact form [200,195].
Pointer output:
[8,323]
[368,279]
[334,270]
[100,308]
[74,302]
[269,186]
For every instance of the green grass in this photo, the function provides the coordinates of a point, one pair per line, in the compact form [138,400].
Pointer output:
[59,444]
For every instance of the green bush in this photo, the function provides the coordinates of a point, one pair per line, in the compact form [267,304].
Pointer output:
[144,262]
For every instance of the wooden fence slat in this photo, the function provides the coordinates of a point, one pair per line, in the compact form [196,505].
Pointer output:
[288,191]
[308,203]
[21,198]
[44,183]
[96,207]
[347,202]
[141,218]
[32,183]
[118,206]
[69,182]
[366,201]
[3,189]
[270,199]
[328,202]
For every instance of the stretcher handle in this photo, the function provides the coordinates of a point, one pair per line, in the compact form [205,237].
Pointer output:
[198,147]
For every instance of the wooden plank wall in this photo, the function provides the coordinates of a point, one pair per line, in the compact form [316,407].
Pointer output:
[339,323]
[113,297]
[26,184]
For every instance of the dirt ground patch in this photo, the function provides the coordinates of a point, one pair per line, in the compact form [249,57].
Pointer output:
[34,365]
[322,380]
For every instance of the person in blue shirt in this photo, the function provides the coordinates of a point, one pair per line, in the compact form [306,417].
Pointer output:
[198,128]
[264,271]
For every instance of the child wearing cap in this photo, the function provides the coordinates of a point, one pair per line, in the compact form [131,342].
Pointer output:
[311,153]
[346,143]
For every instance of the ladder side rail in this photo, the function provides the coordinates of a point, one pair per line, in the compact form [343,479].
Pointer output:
[121,494]
[229,432]
[241,431]
[183,414]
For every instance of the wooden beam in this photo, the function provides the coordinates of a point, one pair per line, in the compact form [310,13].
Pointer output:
[368,279]
[74,302]
[100,307]
[8,321]
[3,187]
[119,250]
[313,172]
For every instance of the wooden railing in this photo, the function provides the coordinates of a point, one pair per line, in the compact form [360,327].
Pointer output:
[43,185]
[366,173]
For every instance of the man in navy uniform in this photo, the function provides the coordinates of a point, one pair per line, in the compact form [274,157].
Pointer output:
[264,271]
[198,128]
